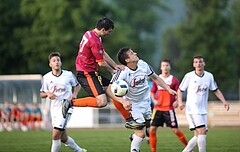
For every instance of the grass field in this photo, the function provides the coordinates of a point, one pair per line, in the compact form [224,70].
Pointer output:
[116,140]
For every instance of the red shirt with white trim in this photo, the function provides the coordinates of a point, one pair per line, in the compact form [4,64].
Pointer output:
[90,52]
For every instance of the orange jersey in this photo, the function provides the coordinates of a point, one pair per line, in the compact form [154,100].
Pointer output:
[163,96]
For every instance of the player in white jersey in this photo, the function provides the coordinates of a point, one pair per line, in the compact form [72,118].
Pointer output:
[57,85]
[197,84]
[136,74]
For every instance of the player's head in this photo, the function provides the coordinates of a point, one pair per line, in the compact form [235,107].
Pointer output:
[55,60]
[126,55]
[165,66]
[198,62]
[105,25]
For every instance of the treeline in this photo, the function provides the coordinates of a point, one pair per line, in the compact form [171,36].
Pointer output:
[31,29]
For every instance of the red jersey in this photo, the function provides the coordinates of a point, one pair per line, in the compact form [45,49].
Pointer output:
[162,95]
[90,52]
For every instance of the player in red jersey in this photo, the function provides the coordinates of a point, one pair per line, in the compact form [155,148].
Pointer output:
[164,104]
[91,54]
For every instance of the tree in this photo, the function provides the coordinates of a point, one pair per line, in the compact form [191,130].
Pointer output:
[208,31]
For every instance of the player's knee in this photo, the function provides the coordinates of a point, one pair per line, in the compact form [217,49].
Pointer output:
[102,101]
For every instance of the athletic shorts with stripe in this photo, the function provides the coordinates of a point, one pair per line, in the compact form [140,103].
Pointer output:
[161,117]
[92,82]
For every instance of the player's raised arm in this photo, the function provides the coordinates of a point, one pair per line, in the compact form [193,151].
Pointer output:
[109,60]
[161,83]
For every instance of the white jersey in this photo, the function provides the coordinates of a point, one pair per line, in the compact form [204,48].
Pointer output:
[138,90]
[197,91]
[61,86]
[137,81]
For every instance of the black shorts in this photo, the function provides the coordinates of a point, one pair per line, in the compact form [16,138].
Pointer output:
[161,117]
[92,82]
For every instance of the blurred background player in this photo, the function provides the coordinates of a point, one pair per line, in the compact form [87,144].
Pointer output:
[91,54]
[57,85]
[164,104]
[136,75]
[36,117]
[15,116]
[6,116]
[25,117]
[197,83]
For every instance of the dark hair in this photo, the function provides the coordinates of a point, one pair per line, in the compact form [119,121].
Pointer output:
[122,55]
[198,57]
[54,54]
[105,23]
[166,60]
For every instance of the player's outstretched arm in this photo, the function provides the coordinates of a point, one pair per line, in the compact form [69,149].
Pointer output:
[113,64]
[161,83]
[220,96]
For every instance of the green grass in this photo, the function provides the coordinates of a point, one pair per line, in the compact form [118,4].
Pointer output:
[116,140]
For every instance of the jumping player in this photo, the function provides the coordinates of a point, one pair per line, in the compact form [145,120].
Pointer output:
[91,54]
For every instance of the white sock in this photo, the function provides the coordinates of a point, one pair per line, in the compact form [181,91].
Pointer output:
[201,143]
[136,143]
[56,145]
[71,143]
[191,144]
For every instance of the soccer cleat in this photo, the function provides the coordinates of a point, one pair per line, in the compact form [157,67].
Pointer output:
[132,124]
[66,105]
[131,137]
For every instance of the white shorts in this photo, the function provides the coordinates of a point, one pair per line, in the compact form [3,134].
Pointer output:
[197,121]
[58,121]
[141,111]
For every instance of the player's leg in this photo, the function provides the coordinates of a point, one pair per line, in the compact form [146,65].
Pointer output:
[202,133]
[56,139]
[68,141]
[92,83]
[198,124]
[157,120]
[137,137]
[180,135]
[171,121]
[147,130]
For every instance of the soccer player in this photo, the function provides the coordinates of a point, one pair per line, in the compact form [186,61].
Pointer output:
[15,116]
[91,54]
[36,117]
[57,85]
[164,104]
[197,83]
[6,117]
[25,117]
[136,74]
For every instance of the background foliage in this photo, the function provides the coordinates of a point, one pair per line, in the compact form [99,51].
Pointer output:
[30,30]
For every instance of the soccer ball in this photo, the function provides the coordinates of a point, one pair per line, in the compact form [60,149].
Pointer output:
[119,88]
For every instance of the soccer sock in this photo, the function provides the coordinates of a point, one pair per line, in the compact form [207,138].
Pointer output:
[182,137]
[201,143]
[85,102]
[126,114]
[56,145]
[71,143]
[136,143]
[191,144]
[153,141]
